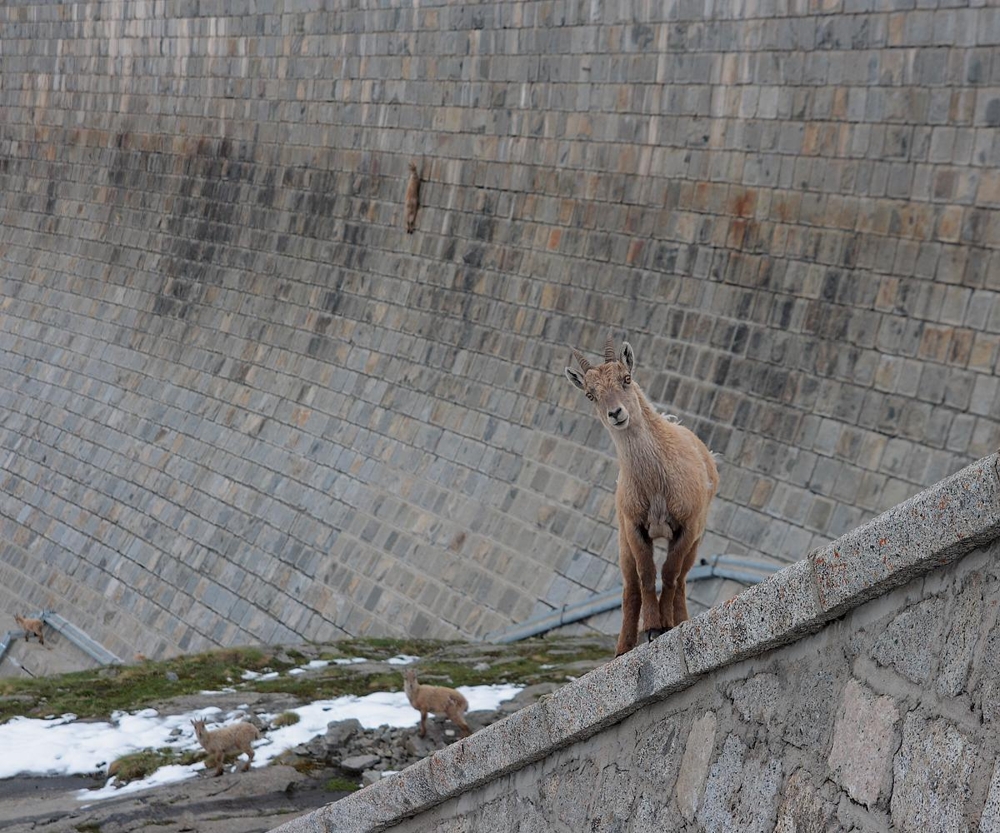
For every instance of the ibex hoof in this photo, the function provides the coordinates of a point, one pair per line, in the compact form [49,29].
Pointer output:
[652,633]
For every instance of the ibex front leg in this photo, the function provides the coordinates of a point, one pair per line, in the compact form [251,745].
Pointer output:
[641,548]
[631,599]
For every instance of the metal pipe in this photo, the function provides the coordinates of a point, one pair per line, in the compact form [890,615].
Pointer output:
[719,566]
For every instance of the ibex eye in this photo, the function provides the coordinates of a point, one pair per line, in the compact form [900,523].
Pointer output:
[627,380]
[590,396]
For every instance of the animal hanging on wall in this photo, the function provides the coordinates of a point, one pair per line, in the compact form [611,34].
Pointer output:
[667,478]
[412,198]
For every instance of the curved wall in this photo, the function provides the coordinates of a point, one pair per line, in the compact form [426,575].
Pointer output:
[240,404]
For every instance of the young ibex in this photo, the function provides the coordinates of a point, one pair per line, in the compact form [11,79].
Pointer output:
[412,198]
[666,481]
[436,699]
[30,626]
[227,740]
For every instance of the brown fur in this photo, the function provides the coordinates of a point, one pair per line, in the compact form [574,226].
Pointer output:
[435,699]
[412,198]
[227,740]
[30,626]
[666,481]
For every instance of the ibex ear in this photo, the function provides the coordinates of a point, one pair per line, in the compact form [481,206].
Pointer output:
[575,377]
[628,356]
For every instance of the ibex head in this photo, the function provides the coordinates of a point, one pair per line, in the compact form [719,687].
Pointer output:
[609,385]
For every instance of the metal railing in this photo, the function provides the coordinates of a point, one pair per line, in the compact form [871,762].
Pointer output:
[744,570]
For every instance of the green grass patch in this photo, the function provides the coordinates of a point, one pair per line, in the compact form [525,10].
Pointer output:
[285,719]
[341,785]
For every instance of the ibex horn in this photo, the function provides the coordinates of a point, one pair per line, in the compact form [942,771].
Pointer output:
[584,364]
[609,348]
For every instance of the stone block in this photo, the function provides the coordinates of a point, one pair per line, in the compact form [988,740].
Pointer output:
[614,690]
[763,616]
[930,529]
[864,738]
[741,791]
[908,642]
[932,777]
[803,807]
[961,644]
[989,821]
[694,765]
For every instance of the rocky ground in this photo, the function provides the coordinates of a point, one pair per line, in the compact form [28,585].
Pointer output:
[309,776]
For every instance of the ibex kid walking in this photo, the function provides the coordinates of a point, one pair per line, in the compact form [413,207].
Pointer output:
[666,481]
[435,699]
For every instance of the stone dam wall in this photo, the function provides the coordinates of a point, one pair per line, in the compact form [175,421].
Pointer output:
[854,691]
[239,404]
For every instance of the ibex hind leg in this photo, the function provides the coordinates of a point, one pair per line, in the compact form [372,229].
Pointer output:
[458,720]
[673,597]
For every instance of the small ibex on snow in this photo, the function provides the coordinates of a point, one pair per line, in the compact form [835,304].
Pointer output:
[666,481]
[436,699]
[30,626]
[227,740]
[412,198]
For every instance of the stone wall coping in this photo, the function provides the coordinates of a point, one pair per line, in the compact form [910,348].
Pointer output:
[929,530]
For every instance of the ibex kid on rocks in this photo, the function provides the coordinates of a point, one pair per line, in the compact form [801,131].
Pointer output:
[666,481]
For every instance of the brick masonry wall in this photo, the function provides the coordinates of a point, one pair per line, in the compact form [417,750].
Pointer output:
[240,404]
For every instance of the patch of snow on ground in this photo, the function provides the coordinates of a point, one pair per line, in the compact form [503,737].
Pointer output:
[402,659]
[64,746]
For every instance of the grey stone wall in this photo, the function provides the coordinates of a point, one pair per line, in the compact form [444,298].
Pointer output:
[854,691]
[240,404]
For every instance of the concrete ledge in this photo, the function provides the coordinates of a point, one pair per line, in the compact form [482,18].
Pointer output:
[934,527]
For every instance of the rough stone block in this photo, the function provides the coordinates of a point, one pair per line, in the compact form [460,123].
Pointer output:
[930,529]
[764,616]
[741,792]
[694,765]
[615,690]
[864,739]
[932,777]
[803,808]
[908,642]
[989,821]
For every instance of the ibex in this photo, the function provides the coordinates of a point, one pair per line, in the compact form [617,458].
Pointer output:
[412,198]
[30,626]
[435,699]
[235,738]
[666,481]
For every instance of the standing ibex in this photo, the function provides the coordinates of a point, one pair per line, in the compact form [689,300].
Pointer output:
[435,699]
[666,481]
